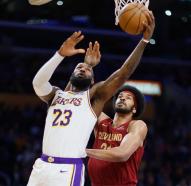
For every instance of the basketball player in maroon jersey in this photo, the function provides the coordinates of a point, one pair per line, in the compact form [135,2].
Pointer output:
[119,142]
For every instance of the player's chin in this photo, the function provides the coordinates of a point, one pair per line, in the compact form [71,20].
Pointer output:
[121,110]
[120,105]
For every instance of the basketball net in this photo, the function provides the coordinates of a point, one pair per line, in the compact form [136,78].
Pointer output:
[121,4]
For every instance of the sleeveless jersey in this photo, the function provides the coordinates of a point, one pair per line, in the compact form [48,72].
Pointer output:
[113,173]
[69,123]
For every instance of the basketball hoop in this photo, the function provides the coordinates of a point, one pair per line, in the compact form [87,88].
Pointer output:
[121,4]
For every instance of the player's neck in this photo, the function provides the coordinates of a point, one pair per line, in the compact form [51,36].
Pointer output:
[75,89]
[120,119]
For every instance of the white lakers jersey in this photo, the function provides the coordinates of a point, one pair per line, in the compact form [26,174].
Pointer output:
[69,123]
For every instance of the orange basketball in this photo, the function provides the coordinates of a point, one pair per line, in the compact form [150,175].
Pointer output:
[131,18]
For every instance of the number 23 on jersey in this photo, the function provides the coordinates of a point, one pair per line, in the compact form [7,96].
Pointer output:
[61,117]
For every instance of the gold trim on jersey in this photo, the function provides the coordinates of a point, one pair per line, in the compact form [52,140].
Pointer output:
[75,93]
[72,176]
[88,96]
[70,92]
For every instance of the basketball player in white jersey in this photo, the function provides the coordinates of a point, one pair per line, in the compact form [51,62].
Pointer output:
[72,113]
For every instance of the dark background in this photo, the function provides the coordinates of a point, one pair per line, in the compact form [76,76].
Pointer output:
[29,36]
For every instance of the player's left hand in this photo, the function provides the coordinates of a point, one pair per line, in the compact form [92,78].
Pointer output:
[93,55]
[68,47]
[148,29]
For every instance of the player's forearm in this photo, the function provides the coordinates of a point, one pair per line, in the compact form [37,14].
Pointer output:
[46,71]
[119,77]
[133,60]
[112,155]
[41,80]
[38,2]
[122,153]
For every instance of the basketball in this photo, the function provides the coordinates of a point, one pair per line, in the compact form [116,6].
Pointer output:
[131,18]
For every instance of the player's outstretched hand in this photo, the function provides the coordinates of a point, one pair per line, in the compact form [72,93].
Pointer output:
[149,28]
[68,47]
[93,55]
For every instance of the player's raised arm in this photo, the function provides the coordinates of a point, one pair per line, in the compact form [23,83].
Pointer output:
[130,143]
[106,89]
[38,2]
[41,83]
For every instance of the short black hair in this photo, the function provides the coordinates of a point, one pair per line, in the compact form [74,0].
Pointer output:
[138,96]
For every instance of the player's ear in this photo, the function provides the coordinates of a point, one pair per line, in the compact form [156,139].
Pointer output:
[134,110]
[92,81]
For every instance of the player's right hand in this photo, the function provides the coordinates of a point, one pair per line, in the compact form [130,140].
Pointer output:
[149,28]
[68,47]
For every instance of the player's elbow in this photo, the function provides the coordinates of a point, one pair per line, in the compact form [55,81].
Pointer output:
[126,152]
[35,83]
[38,85]
[121,156]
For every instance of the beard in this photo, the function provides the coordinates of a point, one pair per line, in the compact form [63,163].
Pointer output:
[123,110]
[80,82]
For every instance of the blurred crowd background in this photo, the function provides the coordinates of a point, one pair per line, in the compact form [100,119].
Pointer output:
[30,35]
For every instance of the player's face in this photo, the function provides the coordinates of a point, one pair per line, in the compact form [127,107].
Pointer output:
[124,103]
[83,70]
[82,77]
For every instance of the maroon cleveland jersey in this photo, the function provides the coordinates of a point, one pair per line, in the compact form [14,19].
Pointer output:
[113,173]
